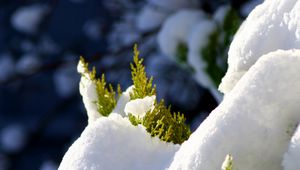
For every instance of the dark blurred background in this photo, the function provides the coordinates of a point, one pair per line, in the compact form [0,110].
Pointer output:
[41,111]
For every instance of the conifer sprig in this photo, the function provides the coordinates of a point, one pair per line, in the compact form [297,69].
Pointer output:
[159,121]
[142,85]
[106,95]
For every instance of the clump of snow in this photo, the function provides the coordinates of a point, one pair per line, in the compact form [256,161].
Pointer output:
[13,138]
[7,67]
[291,158]
[150,18]
[114,143]
[169,38]
[48,165]
[139,107]
[87,89]
[252,122]
[197,40]
[28,64]
[27,19]
[275,24]
[122,101]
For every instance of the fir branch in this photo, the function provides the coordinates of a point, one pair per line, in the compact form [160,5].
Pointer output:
[142,85]
[160,121]
[181,53]
[106,95]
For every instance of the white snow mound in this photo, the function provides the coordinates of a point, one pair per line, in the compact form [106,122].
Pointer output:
[291,158]
[275,24]
[253,121]
[113,143]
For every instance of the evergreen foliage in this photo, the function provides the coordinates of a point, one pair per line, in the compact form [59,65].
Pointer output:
[181,53]
[142,85]
[215,52]
[106,95]
[160,121]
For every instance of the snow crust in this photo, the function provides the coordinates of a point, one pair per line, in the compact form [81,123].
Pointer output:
[183,21]
[112,143]
[275,24]
[291,158]
[253,121]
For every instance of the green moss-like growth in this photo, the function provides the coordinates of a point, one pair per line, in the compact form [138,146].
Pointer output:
[215,52]
[167,126]
[142,85]
[160,121]
[230,26]
[210,54]
[181,53]
[106,95]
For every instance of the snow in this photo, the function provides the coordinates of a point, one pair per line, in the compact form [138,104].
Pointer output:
[139,107]
[13,138]
[183,21]
[275,24]
[197,40]
[253,122]
[28,64]
[7,66]
[249,6]
[291,158]
[27,19]
[150,18]
[87,89]
[122,101]
[114,143]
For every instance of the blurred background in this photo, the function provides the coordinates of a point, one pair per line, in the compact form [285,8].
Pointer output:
[41,111]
